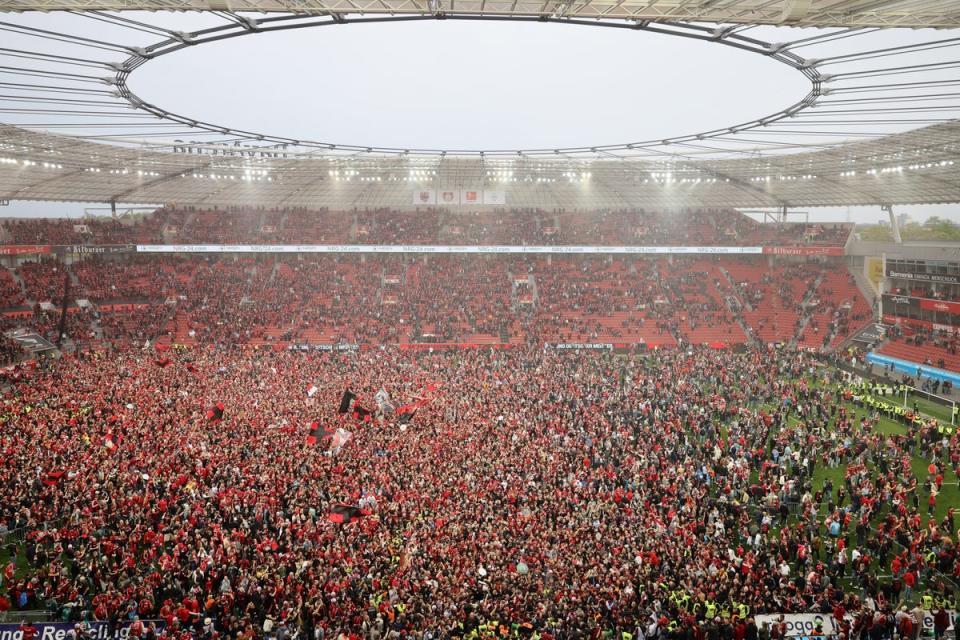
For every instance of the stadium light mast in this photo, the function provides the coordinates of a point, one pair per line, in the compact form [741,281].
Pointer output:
[894,224]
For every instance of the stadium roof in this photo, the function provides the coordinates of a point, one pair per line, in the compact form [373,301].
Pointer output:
[910,168]
[879,124]
[812,13]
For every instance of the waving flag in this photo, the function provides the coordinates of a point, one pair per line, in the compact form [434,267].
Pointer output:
[406,416]
[384,402]
[216,413]
[345,514]
[52,478]
[345,401]
[318,433]
[340,438]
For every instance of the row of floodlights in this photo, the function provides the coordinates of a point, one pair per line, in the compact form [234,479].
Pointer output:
[247,177]
[899,168]
[806,176]
[31,163]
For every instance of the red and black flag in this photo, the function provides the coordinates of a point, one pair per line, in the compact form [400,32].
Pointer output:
[345,401]
[359,413]
[216,413]
[318,433]
[407,415]
[163,362]
[345,514]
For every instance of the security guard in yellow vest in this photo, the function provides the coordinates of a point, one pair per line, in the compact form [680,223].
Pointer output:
[711,609]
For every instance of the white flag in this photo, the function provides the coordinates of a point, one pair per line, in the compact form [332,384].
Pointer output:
[383,401]
[340,438]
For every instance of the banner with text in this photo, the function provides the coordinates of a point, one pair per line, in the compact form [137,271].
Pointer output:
[801,624]
[60,630]
[900,274]
[807,624]
[942,306]
[900,304]
[439,249]
[93,249]
[804,251]
[23,249]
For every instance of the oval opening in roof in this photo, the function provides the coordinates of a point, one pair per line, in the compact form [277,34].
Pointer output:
[462,85]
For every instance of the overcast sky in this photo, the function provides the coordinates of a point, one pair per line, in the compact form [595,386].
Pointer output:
[464,85]
[454,84]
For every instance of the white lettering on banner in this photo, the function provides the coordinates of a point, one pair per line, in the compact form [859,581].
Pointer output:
[421,248]
[805,624]
[59,630]
[800,624]
[928,620]
[581,345]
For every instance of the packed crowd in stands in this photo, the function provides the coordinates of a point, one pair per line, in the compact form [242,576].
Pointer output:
[11,295]
[89,230]
[133,278]
[244,225]
[43,280]
[267,300]
[532,494]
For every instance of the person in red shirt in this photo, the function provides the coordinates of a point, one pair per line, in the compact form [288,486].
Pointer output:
[909,581]
[941,620]
[27,630]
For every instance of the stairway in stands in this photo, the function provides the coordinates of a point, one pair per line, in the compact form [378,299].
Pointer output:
[178,331]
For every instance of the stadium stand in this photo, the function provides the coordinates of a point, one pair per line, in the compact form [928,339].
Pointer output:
[924,346]
[269,300]
[242,225]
